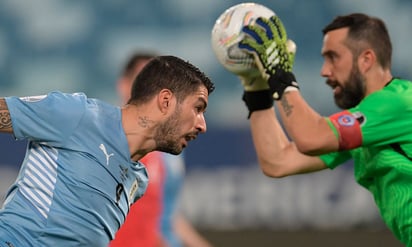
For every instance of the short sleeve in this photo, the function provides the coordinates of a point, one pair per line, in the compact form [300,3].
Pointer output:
[49,118]
[332,160]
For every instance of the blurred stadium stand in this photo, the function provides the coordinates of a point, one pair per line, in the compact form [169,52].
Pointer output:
[81,45]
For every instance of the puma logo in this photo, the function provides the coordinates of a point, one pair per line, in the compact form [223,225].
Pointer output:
[103,148]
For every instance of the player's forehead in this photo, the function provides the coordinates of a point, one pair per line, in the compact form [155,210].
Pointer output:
[199,96]
[334,40]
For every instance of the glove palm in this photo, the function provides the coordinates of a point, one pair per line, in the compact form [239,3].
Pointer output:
[253,82]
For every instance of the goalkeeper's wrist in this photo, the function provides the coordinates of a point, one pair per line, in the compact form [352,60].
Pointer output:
[257,100]
[282,82]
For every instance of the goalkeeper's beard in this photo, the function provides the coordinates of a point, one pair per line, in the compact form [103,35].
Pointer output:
[352,90]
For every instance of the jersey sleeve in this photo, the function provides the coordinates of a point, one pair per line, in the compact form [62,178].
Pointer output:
[334,159]
[378,120]
[48,118]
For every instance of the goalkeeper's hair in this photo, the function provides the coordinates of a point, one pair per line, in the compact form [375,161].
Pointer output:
[168,72]
[365,32]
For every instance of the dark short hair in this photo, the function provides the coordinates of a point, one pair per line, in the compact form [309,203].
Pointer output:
[179,76]
[370,30]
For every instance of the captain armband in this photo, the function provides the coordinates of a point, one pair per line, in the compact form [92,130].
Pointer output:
[348,129]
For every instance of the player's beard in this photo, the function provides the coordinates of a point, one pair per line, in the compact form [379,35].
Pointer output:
[352,90]
[167,136]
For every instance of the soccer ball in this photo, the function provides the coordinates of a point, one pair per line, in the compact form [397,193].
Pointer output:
[226,34]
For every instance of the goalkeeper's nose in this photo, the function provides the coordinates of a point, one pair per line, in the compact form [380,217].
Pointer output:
[326,70]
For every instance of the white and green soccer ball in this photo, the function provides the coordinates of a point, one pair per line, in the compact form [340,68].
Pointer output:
[226,34]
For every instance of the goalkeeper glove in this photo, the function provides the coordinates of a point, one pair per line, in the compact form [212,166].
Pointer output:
[256,93]
[274,54]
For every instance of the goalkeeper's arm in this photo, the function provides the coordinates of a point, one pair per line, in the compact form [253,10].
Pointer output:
[277,156]
[267,41]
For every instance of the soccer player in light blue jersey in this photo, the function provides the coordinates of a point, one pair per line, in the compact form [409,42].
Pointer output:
[164,224]
[81,172]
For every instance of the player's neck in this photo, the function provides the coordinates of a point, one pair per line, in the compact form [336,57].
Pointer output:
[139,128]
[377,80]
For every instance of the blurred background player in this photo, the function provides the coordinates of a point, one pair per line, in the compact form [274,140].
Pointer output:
[155,220]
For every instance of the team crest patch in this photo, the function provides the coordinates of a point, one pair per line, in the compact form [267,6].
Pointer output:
[348,127]
[133,190]
[346,120]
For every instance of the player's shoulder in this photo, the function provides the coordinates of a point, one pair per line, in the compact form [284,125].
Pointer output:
[397,90]
[394,98]
[399,86]
[71,102]
[58,99]
[67,96]
[79,97]
[53,101]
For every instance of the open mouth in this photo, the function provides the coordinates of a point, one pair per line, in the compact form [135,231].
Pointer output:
[189,138]
[336,88]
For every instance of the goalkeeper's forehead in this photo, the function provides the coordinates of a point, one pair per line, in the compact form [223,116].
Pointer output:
[334,40]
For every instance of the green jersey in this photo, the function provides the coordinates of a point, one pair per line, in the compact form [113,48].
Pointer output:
[377,135]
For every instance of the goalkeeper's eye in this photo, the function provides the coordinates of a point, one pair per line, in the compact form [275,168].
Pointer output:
[330,56]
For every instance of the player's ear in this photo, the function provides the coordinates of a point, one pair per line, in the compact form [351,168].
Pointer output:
[366,60]
[165,98]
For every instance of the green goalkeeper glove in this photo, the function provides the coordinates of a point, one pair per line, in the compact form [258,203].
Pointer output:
[274,54]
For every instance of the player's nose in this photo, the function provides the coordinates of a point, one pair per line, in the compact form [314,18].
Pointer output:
[325,70]
[201,123]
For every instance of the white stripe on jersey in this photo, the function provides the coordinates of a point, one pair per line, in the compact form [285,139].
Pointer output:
[40,177]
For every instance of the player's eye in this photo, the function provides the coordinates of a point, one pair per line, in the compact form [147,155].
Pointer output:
[200,108]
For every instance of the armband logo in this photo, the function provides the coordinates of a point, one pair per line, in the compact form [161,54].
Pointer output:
[346,120]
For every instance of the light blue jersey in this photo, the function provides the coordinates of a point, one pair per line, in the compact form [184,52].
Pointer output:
[77,180]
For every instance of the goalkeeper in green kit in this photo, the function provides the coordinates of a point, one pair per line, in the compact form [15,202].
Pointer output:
[374,128]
